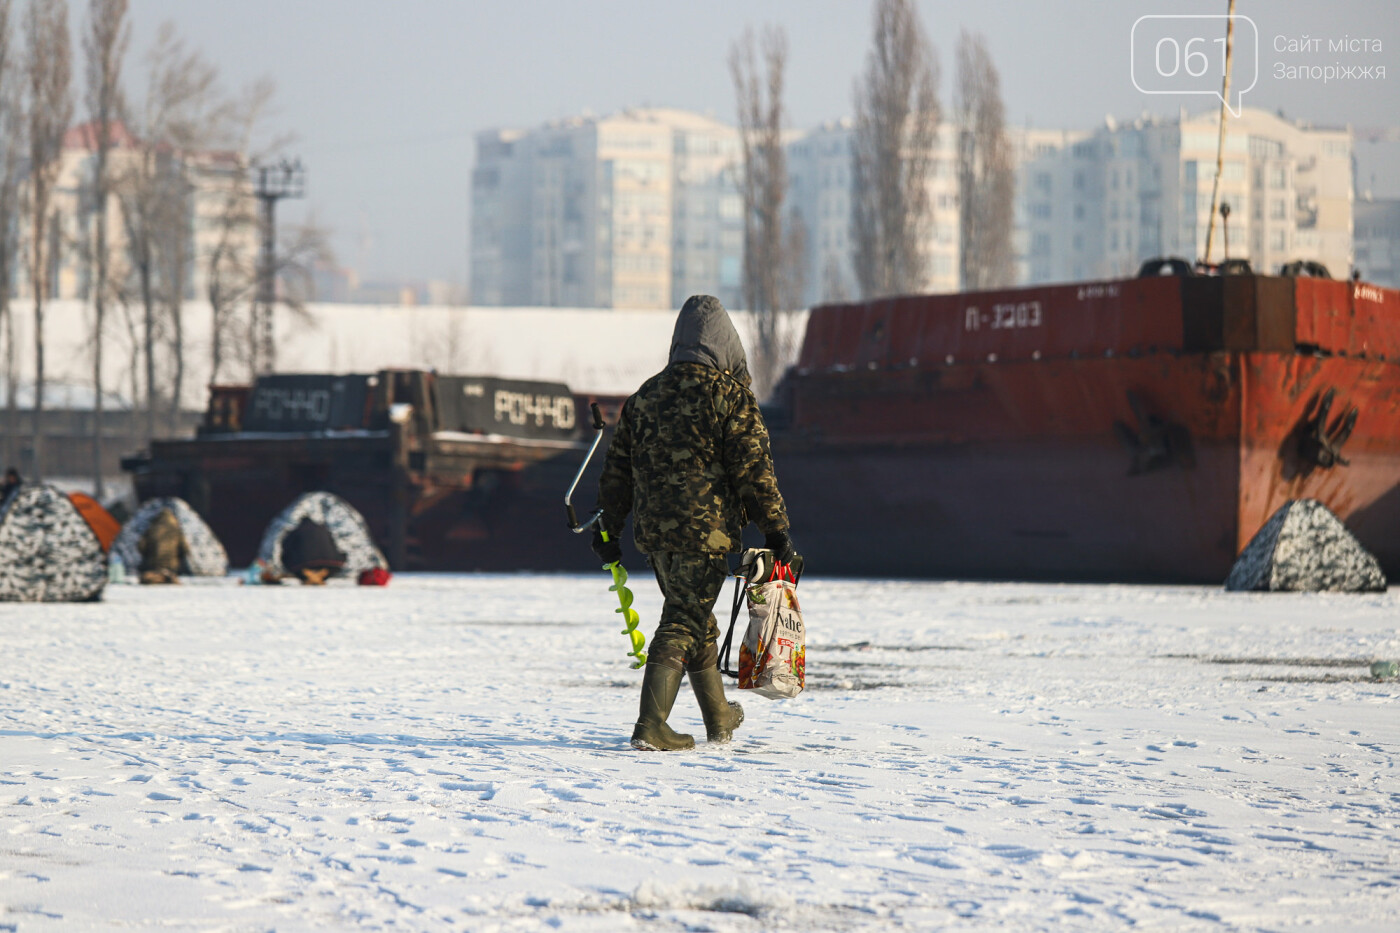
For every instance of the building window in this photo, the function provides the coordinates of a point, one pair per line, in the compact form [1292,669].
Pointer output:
[1278,209]
[1277,242]
[1278,176]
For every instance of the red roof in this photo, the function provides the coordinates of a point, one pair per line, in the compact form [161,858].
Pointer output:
[84,135]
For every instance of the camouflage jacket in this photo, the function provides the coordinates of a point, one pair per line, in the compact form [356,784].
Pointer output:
[690,459]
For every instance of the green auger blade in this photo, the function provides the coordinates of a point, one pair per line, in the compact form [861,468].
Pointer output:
[629,615]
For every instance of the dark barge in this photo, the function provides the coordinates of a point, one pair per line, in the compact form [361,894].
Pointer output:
[450,472]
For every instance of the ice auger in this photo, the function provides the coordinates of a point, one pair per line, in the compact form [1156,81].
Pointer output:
[619,572]
[629,615]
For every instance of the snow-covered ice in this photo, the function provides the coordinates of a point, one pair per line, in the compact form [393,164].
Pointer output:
[451,753]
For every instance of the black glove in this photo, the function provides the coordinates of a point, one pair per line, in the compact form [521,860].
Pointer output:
[781,545]
[609,551]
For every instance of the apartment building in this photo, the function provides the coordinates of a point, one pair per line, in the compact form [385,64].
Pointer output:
[635,210]
[642,209]
[219,213]
[708,218]
[1095,205]
[819,193]
[1378,240]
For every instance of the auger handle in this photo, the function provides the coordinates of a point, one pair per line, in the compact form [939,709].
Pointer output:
[574,525]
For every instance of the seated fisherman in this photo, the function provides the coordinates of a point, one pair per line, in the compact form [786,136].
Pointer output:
[164,552]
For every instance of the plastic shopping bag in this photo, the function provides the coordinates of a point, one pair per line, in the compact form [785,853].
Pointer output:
[773,654]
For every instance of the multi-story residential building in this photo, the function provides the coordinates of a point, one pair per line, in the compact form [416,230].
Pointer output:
[642,209]
[1053,226]
[219,214]
[1378,240]
[634,210]
[819,192]
[707,231]
[819,198]
[1097,205]
[500,219]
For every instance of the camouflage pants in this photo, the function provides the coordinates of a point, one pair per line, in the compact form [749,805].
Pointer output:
[687,636]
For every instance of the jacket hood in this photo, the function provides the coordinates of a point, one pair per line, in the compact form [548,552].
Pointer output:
[705,334]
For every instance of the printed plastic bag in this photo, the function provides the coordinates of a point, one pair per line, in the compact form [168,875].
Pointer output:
[773,656]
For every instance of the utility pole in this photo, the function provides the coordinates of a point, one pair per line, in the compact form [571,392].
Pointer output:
[286,179]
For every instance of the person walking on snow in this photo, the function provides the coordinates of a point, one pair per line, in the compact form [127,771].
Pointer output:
[690,461]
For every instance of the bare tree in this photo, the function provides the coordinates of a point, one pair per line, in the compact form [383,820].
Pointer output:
[131,330]
[12,134]
[139,207]
[48,68]
[986,178]
[173,255]
[230,266]
[231,262]
[105,44]
[892,152]
[305,247]
[772,254]
[834,282]
[178,116]
[301,248]
[793,273]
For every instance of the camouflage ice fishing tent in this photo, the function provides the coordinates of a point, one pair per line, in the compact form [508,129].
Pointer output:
[206,556]
[346,526]
[48,551]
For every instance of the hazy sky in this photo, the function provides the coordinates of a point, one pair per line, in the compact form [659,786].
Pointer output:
[385,96]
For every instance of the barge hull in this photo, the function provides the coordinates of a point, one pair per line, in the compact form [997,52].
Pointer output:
[1133,431]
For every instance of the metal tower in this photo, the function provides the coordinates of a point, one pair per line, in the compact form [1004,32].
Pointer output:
[285,179]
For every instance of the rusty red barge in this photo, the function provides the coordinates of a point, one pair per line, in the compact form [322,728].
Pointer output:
[1130,430]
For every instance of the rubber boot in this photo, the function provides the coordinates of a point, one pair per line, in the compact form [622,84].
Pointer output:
[660,685]
[721,716]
